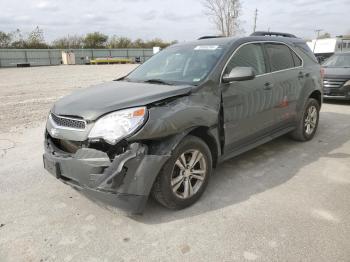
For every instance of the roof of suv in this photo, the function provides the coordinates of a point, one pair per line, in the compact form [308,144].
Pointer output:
[230,40]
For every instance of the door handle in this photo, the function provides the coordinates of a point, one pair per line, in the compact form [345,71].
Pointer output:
[301,75]
[267,86]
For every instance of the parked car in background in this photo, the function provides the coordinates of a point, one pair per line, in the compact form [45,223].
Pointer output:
[337,76]
[163,128]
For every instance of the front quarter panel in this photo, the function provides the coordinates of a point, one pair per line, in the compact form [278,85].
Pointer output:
[201,108]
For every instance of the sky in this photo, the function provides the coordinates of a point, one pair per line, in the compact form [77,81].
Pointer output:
[181,20]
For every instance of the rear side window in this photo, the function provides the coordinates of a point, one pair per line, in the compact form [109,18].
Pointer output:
[250,55]
[307,51]
[297,60]
[280,56]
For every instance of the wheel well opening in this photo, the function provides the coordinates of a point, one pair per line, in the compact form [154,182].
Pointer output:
[317,95]
[202,133]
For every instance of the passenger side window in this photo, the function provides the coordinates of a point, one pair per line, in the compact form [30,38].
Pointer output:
[250,55]
[280,56]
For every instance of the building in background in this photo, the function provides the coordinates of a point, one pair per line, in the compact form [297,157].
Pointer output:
[324,48]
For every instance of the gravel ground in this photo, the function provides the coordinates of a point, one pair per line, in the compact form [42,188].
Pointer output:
[283,201]
[28,93]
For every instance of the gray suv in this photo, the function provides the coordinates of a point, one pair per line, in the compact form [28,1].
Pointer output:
[336,80]
[162,129]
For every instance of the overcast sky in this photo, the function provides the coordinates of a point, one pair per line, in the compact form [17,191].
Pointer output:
[168,19]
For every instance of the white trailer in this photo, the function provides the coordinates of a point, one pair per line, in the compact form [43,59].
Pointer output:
[324,48]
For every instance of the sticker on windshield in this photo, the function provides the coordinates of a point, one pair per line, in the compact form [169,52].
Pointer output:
[206,47]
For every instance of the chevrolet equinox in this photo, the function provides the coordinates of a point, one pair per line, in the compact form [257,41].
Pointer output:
[162,129]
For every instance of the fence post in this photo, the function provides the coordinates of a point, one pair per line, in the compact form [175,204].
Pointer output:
[127,53]
[143,53]
[49,56]
[26,55]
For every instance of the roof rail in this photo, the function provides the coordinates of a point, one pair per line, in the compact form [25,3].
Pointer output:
[209,37]
[264,33]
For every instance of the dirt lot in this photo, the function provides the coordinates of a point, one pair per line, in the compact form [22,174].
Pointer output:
[28,93]
[283,201]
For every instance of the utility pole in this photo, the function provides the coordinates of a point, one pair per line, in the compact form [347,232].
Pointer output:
[318,31]
[255,19]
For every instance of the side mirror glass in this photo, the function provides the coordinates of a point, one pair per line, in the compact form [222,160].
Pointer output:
[239,74]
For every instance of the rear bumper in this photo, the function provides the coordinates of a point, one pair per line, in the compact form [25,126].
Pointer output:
[124,183]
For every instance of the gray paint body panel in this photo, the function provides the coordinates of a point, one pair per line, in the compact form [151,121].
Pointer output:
[95,101]
[237,116]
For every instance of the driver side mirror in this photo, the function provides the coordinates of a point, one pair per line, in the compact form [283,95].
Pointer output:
[239,74]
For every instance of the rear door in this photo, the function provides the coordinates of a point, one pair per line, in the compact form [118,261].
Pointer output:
[247,105]
[288,78]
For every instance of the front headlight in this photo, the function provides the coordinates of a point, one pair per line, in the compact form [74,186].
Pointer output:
[119,124]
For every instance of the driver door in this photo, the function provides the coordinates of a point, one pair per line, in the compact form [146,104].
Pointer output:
[247,105]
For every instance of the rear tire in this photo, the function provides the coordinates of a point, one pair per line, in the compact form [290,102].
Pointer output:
[307,126]
[185,176]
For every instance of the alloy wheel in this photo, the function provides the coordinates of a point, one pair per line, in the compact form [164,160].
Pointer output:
[188,174]
[311,120]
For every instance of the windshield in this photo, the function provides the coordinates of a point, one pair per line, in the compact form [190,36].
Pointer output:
[341,60]
[179,65]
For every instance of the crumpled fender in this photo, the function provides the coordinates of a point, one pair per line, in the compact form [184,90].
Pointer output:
[182,114]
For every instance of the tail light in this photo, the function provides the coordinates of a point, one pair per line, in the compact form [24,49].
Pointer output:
[322,72]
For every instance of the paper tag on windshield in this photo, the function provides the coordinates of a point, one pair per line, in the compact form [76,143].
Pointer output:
[206,47]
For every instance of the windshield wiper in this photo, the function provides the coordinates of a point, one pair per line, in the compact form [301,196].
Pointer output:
[158,81]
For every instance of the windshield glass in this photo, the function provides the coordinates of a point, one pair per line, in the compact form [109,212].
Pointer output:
[341,60]
[179,65]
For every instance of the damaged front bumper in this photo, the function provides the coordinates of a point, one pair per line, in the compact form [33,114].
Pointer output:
[124,182]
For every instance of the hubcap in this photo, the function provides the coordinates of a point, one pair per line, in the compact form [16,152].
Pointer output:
[188,174]
[310,120]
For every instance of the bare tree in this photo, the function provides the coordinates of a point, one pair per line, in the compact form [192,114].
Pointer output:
[5,39]
[224,14]
[69,41]
[36,39]
[324,35]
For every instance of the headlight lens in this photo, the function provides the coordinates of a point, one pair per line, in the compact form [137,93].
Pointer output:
[119,124]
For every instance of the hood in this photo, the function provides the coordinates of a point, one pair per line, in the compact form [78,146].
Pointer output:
[92,102]
[336,72]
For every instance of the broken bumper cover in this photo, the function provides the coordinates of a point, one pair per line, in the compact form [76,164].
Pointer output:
[125,182]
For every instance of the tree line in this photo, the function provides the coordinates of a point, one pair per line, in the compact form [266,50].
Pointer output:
[35,40]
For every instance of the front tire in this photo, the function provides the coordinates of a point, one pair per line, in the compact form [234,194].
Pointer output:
[307,126]
[184,177]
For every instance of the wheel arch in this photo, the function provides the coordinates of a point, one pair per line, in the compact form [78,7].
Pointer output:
[208,137]
[167,145]
[317,95]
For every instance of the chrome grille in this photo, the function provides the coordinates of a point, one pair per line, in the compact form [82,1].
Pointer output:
[334,82]
[68,122]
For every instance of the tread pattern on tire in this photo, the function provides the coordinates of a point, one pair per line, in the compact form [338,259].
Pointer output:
[298,133]
[159,194]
